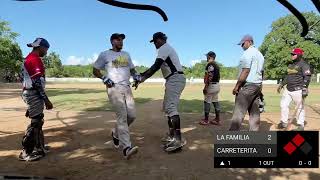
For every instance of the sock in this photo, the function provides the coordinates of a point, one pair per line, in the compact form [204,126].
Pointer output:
[176,126]
[206,110]
[170,125]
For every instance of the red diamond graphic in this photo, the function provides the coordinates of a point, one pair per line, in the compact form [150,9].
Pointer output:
[298,140]
[289,148]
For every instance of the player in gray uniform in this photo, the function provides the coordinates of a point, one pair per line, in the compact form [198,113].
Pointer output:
[119,68]
[171,68]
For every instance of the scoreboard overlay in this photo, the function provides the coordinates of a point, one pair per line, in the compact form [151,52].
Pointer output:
[273,149]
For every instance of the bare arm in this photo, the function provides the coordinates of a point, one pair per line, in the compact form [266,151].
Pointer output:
[97,73]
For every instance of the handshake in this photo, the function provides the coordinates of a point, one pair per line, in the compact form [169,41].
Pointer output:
[137,78]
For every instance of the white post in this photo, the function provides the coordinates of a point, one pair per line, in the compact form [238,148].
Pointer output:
[318,77]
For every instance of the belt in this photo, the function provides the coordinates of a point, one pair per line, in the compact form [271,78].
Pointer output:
[214,83]
[177,72]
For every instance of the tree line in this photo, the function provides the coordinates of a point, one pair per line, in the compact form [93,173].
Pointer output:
[276,48]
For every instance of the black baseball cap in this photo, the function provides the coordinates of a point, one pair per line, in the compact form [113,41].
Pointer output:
[158,35]
[211,54]
[39,42]
[117,36]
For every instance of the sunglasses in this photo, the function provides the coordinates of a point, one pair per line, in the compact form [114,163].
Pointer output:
[293,54]
[242,44]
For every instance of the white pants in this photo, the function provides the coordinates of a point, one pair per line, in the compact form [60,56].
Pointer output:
[286,99]
[122,101]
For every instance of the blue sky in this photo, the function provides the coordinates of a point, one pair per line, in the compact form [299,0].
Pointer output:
[79,30]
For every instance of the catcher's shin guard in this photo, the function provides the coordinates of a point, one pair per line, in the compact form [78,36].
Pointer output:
[33,137]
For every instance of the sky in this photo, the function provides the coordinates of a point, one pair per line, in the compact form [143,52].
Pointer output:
[78,30]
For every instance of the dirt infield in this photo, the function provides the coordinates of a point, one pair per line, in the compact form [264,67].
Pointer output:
[78,152]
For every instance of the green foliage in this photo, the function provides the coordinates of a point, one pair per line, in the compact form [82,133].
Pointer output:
[10,53]
[53,65]
[77,71]
[284,36]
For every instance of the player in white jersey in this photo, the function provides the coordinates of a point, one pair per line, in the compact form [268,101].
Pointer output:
[172,71]
[119,68]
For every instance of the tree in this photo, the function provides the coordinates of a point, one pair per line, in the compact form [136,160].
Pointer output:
[10,53]
[53,65]
[284,36]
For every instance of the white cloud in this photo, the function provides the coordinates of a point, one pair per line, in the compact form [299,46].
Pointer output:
[73,60]
[93,58]
[135,63]
[193,62]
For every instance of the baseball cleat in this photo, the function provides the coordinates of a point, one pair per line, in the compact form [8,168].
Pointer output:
[23,156]
[167,139]
[282,125]
[129,151]
[175,145]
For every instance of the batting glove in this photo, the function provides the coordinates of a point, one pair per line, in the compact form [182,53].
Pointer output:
[304,92]
[107,81]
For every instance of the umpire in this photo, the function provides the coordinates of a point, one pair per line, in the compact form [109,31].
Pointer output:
[249,86]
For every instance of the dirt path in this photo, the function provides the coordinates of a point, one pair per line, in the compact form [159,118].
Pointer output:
[78,151]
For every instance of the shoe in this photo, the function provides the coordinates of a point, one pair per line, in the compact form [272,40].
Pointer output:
[115,141]
[299,128]
[42,151]
[175,145]
[282,125]
[204,122]
[23,156]
[167,138]
[129,151]
[215,121]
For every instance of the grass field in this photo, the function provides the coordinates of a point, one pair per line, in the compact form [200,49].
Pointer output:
[80,123]
[93,97]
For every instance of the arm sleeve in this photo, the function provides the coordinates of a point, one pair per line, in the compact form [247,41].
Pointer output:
[38,84]
[100,62]
[154,68]
[306,72]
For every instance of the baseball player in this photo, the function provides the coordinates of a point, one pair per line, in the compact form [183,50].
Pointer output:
[168,60]
[119,68]
[211,90]
[34,95]
[249,86]
[297,81]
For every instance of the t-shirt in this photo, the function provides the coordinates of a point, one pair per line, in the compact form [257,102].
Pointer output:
[116,64]
[254,60]
[171,62]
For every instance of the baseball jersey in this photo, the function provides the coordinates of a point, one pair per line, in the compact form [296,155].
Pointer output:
[254,60]
[171,62]
[213,71]
[298,75]
[33,68]
[116,64]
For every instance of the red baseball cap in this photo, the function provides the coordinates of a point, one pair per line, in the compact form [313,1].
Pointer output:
[297,51]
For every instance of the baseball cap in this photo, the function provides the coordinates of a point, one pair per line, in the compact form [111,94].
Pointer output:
[211,54]
[297,51]
[245,38]
[39,42]
[117,36]
[158,35]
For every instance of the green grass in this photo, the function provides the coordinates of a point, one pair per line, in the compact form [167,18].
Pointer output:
[95,99]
